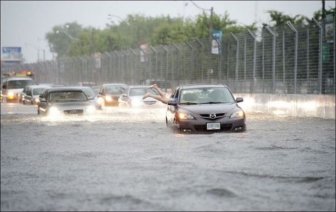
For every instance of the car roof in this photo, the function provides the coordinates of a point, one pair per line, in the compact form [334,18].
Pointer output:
[107,84]
[52,89]
[190,86]
[138,86]
[17,78]
[39,86]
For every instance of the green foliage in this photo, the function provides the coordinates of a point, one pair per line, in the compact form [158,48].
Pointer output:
[71,39]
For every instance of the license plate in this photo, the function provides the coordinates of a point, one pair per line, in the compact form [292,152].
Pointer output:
[213,126]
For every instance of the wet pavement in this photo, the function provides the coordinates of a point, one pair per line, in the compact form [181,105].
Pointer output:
[129,160]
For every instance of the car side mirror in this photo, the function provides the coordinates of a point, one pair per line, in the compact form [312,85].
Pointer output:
[42,99]
[124,96]
[239,99]
[172,102]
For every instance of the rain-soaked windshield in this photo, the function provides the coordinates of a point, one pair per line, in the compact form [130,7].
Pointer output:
[15,84]
[38,91]
[114,90]
[67,96]
[206,96]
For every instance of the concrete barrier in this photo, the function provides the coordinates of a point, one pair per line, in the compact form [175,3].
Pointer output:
[297,105]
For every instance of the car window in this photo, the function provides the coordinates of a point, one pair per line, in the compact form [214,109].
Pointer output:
[89,92]
[14,84]
[138,91]
[114,90]
[38,91]
[67,96]
[206,96]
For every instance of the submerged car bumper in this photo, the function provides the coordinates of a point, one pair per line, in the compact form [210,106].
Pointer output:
[202,125]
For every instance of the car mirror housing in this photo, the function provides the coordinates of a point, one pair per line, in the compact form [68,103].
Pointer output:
[172,102]
[239,99]
[123,96]
[42,99]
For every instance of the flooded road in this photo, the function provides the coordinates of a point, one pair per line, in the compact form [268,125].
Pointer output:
[129,160]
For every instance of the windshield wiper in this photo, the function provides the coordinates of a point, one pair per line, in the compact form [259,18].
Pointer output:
[213,102]
[189,103]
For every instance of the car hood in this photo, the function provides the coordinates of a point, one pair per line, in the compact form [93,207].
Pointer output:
[71,105]
[209,108]
[17,90]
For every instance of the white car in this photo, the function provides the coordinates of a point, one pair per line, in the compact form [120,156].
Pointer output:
[31,93]
[12,88]
[133,97]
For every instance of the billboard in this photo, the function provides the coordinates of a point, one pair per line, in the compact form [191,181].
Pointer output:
[11,53]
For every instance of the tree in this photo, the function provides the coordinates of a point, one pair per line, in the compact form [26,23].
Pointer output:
[62,37]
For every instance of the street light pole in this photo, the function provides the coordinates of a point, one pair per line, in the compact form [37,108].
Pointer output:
[67,34]
[110,16]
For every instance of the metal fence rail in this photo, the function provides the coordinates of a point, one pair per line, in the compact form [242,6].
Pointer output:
[289,59]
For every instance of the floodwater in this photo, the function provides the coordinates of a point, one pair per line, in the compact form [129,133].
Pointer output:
[129,160]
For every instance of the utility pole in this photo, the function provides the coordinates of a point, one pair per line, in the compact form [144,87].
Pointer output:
[211,25]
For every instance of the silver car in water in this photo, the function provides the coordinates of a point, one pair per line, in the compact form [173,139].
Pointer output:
[60,101]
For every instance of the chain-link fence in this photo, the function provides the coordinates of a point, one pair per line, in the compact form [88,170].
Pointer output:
[289,59]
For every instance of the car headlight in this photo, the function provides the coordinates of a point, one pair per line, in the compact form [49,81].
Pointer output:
[237,114]
[90,109]
[37,100]
[10,95]
[100,101]
[108,98]
[185,115]
[54,112]
[136,102]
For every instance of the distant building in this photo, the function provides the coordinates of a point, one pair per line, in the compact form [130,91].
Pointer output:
[10,58]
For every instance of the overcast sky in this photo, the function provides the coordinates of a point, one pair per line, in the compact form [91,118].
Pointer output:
[25,23]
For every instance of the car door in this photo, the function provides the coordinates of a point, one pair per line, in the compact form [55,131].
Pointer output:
[29,95]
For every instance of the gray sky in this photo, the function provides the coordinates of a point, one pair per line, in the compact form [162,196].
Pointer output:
[25,23]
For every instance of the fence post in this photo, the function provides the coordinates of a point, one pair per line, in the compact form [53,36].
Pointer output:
[167,61]
[156,62]
[237,56]
[295,54]
[192,61]
[273,57]
[254,59]
[202,67]
[245,57]
[308,37]
[134,66]
[320,55]
[178,56]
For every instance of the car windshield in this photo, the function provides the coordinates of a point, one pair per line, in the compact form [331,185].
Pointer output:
[114,89]
[89,92]
[67,96]
[15,84]
[212,95]
[38,91]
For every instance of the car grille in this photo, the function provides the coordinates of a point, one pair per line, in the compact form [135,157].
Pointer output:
[80,111]
[213,116]
[224,127]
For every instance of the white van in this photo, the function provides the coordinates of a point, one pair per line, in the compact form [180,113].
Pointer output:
[12,88]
